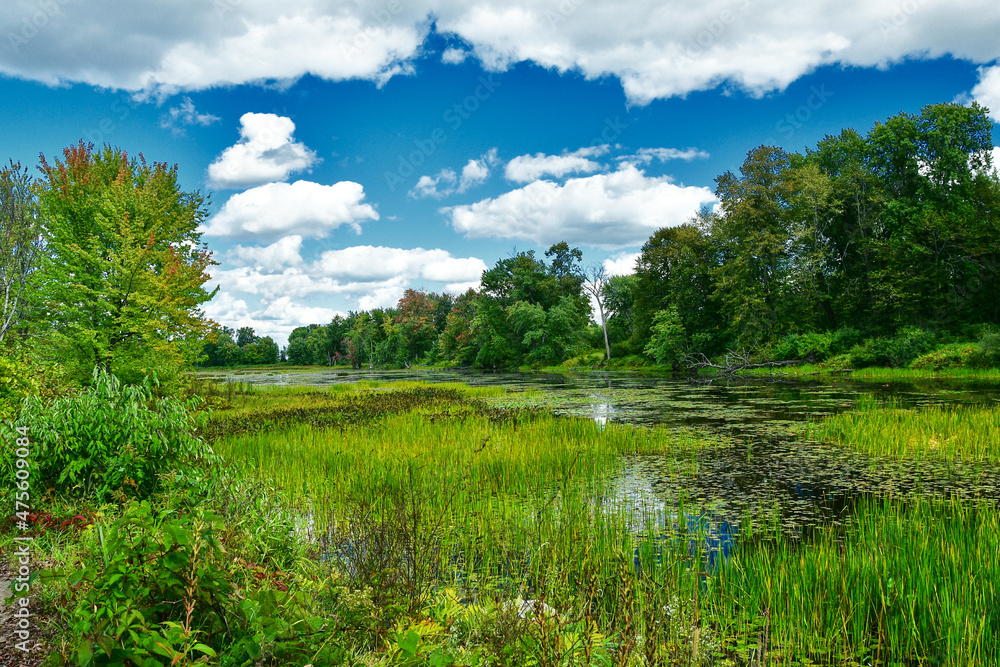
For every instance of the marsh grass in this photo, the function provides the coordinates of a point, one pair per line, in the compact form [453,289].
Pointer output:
[875,373]
[886,428]
[499,523]
[911,582]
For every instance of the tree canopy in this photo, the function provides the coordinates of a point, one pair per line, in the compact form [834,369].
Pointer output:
[124,271]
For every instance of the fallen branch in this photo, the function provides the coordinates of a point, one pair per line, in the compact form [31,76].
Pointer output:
[735,362]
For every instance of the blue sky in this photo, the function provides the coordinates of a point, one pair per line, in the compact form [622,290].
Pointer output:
[354,149]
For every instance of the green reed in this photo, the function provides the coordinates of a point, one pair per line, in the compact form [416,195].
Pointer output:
[913,582]
[421,490]
[940,431]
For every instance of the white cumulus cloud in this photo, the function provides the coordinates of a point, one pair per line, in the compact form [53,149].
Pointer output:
[447,182]
[656,48]
[987,91]
[282,253]
[453,56]
[277,270]
[265,153]
[622,264]
[647,155]
[381,263]
[183,115]
[613,210]
[291,313]
[441,185]
[526,168]
[308,209]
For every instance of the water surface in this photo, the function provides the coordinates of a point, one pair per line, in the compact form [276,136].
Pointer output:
[764,464]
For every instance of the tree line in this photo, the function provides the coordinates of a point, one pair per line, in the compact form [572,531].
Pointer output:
[890,238]
[883,246]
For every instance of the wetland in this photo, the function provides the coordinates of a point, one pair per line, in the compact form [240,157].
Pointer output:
[736,522]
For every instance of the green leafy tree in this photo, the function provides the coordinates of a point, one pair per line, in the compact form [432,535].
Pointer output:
[752,280]
[417,311]
[667,343]
[456,341]
[515,320]
[123,281]
[20,245]
[619,304]
[245,336]
[678,268]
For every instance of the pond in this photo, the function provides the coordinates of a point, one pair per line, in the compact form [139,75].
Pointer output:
[763,461]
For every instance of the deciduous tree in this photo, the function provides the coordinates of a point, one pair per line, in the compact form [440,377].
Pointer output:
[125,272]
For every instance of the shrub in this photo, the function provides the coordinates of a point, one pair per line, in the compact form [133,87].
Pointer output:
[815,346]
[787,348]
[158,362]
[899,351]
[15,385]
[953,355]
[987,352]
[838,362]
[108,441]
[872,352]
[843,340]
[666,345]
[162,590]
[909,343]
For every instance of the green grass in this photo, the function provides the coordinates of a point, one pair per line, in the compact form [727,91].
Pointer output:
[902,582]
[440,493]
[967,432]
[876,374]
[410,524]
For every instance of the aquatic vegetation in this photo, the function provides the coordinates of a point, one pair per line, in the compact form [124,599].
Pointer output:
[886,428]
[516,533]
[901,582]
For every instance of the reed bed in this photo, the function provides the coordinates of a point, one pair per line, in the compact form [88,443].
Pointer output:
[911,583]
[949,432]
[877,373]
[900,374]
[433,491]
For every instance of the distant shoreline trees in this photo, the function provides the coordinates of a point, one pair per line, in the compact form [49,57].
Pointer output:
[874,249]
[886,241]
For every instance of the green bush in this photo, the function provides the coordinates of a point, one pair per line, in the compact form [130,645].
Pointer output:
[871,352]
[162,591]
[109,441]
[899,351]
[815,346]
[838,362]
[843,340]
[159,364]
[953,355]
[16,384]
[666,345]
[987,352]
[909,343]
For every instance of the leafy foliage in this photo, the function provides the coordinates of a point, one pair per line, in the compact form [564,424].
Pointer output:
[124,269]
[666,345]
[164,592]
[20,245]
[109,440]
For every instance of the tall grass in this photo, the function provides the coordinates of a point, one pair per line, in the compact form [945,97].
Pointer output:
[914,583]
[887,429]
[899,374]
[426,489]
[876,373]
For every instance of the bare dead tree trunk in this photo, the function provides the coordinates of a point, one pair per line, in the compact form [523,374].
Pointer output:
[596,281]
